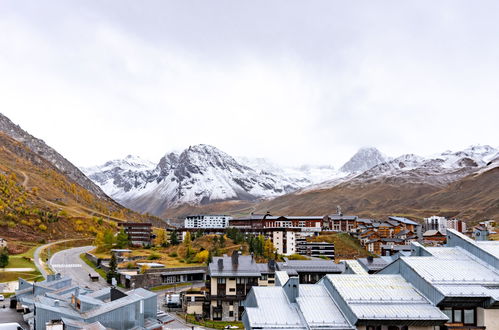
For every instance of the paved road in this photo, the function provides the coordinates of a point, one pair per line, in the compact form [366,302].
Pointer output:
[68,263]
[40,263]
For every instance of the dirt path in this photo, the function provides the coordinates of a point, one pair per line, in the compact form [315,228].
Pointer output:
[26,180]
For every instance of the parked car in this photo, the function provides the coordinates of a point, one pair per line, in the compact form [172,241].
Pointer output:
[2,298]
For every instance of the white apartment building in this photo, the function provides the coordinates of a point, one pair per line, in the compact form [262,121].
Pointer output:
[207,221]
[436,223]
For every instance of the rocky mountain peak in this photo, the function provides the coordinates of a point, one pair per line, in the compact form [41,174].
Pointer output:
[364,159]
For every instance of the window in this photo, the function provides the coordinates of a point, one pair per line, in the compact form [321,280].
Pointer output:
[231,314]
[469,316]
[232,290]
[221,280]
[373,327]
[458,316]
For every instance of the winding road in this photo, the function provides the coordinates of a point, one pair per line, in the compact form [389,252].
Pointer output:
[68,263]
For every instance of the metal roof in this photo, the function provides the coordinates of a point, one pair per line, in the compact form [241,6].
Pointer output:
[463,270]
[273,310]
[246,266]
[355,267]
[321,266]
[383,297]
[403,220]
[319,310]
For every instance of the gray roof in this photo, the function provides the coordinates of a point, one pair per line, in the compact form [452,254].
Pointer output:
[318,309]
[272,309]
[343,217]
[383,297]
[404,220]
[375,265]
[319,266]
[246,267]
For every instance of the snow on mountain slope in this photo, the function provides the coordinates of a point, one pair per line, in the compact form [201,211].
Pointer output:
[203,174]
[363,160]
[199,175]
[439,169]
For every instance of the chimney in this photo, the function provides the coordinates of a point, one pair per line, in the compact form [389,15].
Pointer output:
[56,303]
[370,259]
[235,257]
[271,264]
[220,264]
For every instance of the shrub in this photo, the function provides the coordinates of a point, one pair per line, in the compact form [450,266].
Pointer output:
[153,256]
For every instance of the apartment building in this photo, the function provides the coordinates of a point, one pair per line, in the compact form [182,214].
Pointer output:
[314,249]
[229,281]
[207,221]
[139,233]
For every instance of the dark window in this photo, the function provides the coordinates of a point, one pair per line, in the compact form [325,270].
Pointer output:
[231,314]
[469,316]
[373,327]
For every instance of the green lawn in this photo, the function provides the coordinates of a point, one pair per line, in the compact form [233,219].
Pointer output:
[211,324]
[99,271]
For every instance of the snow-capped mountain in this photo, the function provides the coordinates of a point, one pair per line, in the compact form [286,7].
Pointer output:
[439,169]
[363,160]
[203,174]
[198,175]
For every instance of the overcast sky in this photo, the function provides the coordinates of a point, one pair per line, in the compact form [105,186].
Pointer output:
[293,81]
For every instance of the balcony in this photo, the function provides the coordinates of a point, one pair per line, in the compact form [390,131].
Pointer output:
[463,327]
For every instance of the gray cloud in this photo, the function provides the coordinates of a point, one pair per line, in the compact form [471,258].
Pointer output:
[297,82]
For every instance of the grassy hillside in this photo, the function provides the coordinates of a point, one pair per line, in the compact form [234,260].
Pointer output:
[38,202]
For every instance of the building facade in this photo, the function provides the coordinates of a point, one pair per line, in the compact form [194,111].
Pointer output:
[139,233]
[207,221]
[229,281]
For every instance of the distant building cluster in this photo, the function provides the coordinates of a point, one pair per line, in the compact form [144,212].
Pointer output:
[385,237]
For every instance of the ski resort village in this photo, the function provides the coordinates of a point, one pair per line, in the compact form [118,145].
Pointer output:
[205,240]
[260,165]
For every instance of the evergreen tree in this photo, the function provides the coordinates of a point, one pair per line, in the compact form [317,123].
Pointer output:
[122,239]
[4,258]
[113,269]
[174,238]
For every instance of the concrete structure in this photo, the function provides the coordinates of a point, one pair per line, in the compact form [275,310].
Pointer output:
[139,233]
[340,302]
[207,221]
[56,301]
[462,279]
